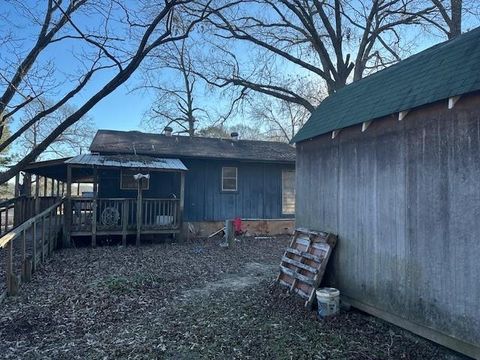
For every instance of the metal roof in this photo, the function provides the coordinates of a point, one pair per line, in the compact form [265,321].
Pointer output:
[128,161]
[442,71]
[136,142]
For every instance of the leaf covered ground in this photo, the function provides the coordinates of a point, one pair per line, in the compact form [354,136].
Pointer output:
[184,301]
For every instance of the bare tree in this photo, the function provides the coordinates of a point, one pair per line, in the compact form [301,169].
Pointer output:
[278,119]
[16,78]
[334,40]
[73,141]
[174,97]
[182,98]
[137,33]
[452,16]
[449,15]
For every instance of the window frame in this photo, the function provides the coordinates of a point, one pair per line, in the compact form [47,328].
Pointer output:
[229,178]
[133,171]
[283,189]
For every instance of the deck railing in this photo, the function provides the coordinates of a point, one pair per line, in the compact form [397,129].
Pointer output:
[7,211]
[15,211]
[29,244]
[119,215]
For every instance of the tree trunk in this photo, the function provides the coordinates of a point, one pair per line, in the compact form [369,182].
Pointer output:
[456,20]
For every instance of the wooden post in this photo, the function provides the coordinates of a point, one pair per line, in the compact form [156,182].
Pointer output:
[37,194]
[34,246]
[45,186]
[55,228]
[78,189]
[63,188]
[42,249]
[58,188]
[24,252]
[52,188]
[182,205]
[67,216]
[9,266]
[229,233]
[50,234]
[28,269]
[124,222]
[27,185]
[17,205]
[94,209]
[139,211]
[16,192]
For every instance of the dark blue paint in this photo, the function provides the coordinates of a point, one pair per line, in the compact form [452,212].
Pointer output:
[259,192]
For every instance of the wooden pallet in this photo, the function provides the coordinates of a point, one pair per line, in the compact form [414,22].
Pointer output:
[304,262]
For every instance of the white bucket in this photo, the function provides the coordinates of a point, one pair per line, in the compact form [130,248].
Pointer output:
[328,300]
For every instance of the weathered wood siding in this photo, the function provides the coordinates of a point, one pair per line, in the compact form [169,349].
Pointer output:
[404,199]
[259,194]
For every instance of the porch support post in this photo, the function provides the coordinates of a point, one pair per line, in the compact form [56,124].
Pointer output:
[139,211]
[27,185]
[37,194]
[67,223]
[94,208]
[45,185]
[17,185]
[17,205]
[58,188]
[182,205]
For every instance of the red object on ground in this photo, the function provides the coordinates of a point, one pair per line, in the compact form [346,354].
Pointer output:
[237,225]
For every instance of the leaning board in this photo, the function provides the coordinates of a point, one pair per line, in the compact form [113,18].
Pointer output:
[303,264]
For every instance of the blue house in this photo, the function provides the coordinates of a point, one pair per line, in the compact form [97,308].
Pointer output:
[146,183]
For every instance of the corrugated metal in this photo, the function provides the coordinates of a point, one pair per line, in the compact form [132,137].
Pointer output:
[128,161]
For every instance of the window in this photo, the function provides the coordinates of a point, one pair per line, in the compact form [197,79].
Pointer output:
[288,192]
[127,182]
[229,179]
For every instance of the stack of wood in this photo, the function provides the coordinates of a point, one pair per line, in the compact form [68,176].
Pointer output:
[304,262]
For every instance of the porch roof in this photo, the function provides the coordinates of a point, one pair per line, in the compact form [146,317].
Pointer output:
[128,161]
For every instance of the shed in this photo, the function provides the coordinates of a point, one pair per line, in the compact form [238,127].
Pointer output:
[391,163]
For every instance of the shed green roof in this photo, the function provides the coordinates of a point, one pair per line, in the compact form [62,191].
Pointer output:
[448,69]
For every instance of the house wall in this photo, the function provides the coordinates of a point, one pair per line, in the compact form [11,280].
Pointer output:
[259,194]
[162,185]
[404,199]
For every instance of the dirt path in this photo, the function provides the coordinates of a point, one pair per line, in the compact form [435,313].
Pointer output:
[190,301]
[250,275]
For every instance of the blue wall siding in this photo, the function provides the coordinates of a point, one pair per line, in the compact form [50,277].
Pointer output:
[162,185]
[259,192]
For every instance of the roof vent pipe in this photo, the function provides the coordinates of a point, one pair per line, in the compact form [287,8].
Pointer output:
[234,135]
[167,131]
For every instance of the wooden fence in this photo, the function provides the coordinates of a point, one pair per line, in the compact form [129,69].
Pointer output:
[28,245]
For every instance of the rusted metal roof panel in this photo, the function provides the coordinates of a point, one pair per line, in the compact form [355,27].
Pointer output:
[128,161]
